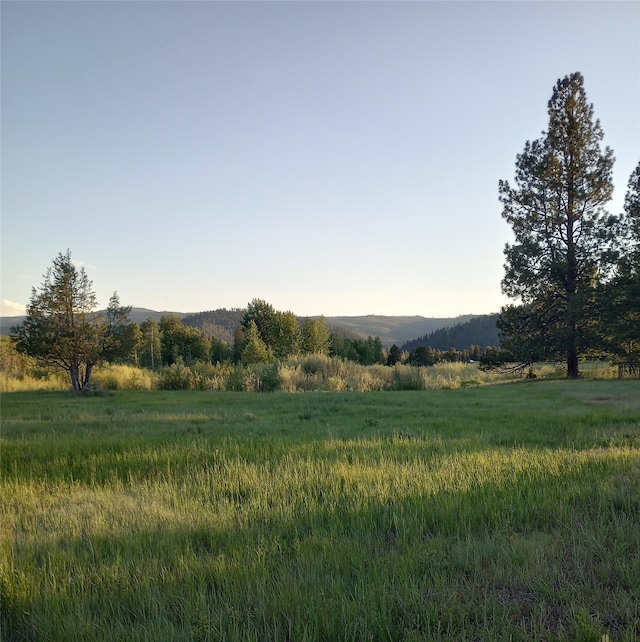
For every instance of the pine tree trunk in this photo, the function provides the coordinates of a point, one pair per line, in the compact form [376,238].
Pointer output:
[573,368]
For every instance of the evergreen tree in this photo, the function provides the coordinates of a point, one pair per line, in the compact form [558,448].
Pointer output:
[121,336]
[423,356]
[255,350]
[621,301]
[564,240]
[61,328]
[394,355]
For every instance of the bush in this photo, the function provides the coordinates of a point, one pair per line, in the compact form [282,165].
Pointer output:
[408,378]
[237,379]
[270,380]
[334,384]
[314,364]
[121,377]
[289,377]
[210,377]
[22,383]
[176,377]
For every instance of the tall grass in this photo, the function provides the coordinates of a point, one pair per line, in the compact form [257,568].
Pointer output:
[300,374]
[492,513]
[28,382]
[125,377]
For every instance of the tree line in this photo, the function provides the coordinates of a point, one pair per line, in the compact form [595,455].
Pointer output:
[573,269]
[61,330]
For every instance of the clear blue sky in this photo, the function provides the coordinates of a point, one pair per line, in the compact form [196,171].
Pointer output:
[336,158]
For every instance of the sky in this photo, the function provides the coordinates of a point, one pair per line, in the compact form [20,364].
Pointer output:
[336,158]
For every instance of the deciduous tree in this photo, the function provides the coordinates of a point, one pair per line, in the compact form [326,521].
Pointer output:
[286,335]
[149,346]
[316,337]
[263,315]
[179,341]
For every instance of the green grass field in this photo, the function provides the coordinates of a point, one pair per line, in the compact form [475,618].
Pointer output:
[505,512]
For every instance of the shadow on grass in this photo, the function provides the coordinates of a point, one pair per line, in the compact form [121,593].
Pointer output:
[553,558]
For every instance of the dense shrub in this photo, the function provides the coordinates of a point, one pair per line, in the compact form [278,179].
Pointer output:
[408,378]
[176,377]
[269,375]
[121,377]
[237,378]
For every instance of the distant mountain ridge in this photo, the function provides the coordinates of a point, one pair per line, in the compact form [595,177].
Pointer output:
[221,324]
[137,315]
[481,331]
[393,329]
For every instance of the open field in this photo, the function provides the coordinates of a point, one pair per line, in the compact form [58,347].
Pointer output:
[506,512]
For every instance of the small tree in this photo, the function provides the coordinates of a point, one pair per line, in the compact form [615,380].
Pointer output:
[149,346]
[316,337]
[220,351]
[255,349]
[286,335]
[121,336]
[564,240]
[181,341]
[61,328]
[424,356]
[279,331]
[264,316]
[394,355]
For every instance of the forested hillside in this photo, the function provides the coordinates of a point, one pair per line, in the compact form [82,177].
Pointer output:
[221,325]
[480,331]
[216,324]
[393,329]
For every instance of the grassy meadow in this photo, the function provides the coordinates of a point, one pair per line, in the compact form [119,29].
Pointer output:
[499,512]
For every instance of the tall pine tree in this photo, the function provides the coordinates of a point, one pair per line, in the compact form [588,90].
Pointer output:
[564,240]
